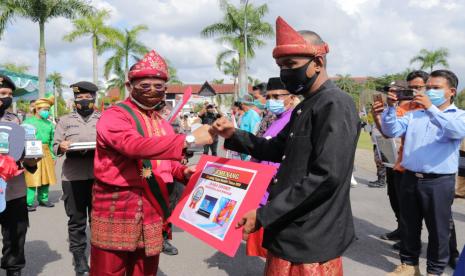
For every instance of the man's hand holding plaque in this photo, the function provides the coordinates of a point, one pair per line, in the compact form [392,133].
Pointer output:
[249,223]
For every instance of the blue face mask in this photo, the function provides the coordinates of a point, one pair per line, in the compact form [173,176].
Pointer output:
[44,114]
[275,106]
[436,96]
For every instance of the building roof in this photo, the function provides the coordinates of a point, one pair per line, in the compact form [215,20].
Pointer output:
[226,88]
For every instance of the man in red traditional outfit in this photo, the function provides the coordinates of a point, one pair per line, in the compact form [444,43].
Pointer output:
[135,149]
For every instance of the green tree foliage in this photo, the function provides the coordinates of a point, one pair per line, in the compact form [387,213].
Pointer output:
[124,47]
[173,72]
[460,99]
[62,109]
[429,59]
[217,81]
[41,11]
[57,80]
[16,68]
[94,27]
[231,32]
[348,84]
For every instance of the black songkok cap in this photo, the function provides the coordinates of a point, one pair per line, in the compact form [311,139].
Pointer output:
[275,84]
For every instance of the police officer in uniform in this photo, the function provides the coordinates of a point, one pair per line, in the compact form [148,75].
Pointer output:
[78,167]
[14,219]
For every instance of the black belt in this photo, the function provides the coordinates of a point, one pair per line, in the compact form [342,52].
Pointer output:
[429,175]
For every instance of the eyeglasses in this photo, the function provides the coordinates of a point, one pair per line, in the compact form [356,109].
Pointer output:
[148,86]
[276,96]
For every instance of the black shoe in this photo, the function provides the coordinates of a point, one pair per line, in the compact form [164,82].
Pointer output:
[13,272]
[453,261]
[31,208]
[392,236]
[169,249]
[80,262]
[47,204]
[376,184]
[396,246]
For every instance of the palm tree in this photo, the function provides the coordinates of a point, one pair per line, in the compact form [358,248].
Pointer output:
[217,81]
[231,68]
[348,84]
[173,72]
[429,59]
[93,26]
[57,80]
[118,81]
[125,47]
[41,11]
[231,32]
[60,104]
[16,68]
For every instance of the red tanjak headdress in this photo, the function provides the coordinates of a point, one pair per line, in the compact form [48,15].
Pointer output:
[152,65]
[289,42]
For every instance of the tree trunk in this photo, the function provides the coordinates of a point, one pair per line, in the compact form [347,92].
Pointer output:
[126,71]
[42,61]
[95,65]
[243,89]
[236,91]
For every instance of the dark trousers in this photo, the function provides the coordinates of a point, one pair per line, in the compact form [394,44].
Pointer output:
[175,191]
[14,221]
[77,196]
[213,147]
[392,179]
[430,199]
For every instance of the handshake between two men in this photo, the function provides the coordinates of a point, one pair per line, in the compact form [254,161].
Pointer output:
[206,134]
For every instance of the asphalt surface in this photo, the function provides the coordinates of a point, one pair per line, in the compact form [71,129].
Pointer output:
[47,246]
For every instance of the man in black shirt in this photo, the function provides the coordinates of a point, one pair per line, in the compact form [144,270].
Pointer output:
[307,220]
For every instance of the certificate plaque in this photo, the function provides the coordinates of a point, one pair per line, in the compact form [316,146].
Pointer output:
[218,196]
[33,147]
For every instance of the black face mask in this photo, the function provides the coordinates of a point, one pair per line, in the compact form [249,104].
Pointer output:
[6,102]
[85,107]
[296,80]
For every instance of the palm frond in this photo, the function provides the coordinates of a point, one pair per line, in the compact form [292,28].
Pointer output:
[222,56]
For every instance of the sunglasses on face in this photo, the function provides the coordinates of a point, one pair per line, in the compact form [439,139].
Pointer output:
[276,96]
[148,86]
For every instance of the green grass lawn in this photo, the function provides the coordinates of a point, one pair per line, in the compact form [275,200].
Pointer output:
[364,142]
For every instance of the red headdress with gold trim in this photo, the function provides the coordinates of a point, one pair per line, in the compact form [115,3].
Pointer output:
[289,42]
[152,65]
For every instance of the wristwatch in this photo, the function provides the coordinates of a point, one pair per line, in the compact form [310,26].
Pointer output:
[190,140]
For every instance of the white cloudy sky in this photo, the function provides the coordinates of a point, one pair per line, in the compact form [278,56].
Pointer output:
[366,37]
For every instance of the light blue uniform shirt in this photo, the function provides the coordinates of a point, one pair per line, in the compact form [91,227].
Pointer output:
[432,138]
[250,121]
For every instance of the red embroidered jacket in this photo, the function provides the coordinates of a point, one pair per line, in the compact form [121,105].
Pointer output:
[123,218]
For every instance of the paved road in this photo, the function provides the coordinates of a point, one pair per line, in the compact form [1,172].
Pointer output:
[47,248]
